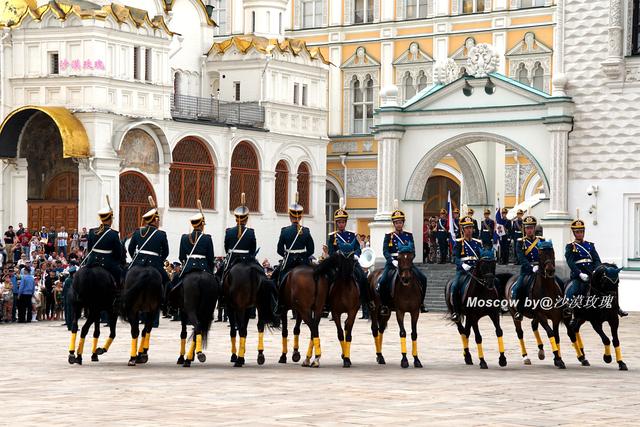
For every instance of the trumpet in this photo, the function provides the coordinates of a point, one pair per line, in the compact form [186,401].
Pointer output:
[367,258]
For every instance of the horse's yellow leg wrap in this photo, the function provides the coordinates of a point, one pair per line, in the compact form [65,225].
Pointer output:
[523,348]
[72,344]
[316,346]
[554,346]
[243,346]
[141,346]
[233,345]
[296,342]
[147,339]
[285,345]
[500,345]
[134,346]
[577,348]
[480,351]
[465,342]
[199,343]
[94,345]
[380,336]
[607,350]
[579,340]
[80,346]
[403,345]
[260,341]
[618,354]
[378,342]
[347,349]
[538,338]
[414,348]
[192,348]
[310,349]
[342,346]
[183,346]
[107,343]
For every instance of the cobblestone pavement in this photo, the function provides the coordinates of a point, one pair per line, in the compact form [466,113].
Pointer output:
[40,387]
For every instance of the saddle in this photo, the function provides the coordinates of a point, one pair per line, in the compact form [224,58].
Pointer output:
[393,275]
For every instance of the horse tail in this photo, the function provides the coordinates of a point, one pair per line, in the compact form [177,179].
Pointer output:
[207,306]
[133,290]
[271,321]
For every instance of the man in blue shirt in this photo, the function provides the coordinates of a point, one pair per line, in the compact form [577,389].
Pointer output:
[25,290]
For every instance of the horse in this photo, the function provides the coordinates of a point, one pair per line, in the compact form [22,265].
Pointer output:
[600,305]
[406,298]
[305,292]
[142,295]
[94,291]
[196,299]
[344,295]
[541,305]
[480,298]
[243,288]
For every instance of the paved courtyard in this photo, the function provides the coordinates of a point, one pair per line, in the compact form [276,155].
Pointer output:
[40,387]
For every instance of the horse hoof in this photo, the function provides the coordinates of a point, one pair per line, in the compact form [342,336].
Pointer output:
[416,362]
[467,358]
[380,359]
[559,363]
[180,360]
[607,358]
[585,362]
[346,362]
[315,363]
[94,357]
[306,363]
[295,356]
[404,363]
[142,358]
[483,364]
[502,361]
[541,354]
[186,364]
[72,359]
[622,366]
[260,359]
[202,357]
[234,357]
[132,362]
[100,351]
[283,358]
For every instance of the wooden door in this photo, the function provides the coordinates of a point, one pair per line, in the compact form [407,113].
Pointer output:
[135,190]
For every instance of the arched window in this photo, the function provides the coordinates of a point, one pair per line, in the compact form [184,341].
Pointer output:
[245,177]
[282,187]
[135,190]
[409,90]
[538,76]
[422,81]
[523,74]
[191,175]
[303,186]
[331,205]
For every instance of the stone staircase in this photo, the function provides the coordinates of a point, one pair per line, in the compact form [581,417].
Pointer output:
[437,277]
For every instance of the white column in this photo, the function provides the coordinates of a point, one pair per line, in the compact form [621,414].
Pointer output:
[267,192]
[499,4]
[18,186]
[442,7]
[386,64]
[335,12]
[97,178]
[221,205]
[414,213]
[335,91]
[499,44]
[613,66]
[386,7]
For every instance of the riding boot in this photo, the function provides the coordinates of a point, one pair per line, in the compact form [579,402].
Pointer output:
[519,310]
[423,293]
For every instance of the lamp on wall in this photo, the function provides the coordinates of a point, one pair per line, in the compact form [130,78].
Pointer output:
[490,87]
[592,190]
[467,89]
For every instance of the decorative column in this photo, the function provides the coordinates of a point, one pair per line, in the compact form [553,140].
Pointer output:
[613,66]
[97,178]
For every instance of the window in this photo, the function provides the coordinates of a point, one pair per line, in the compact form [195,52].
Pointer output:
[191,175]
[422,81]
[135,190]
[136,63]
[416,9]
[362,96]
[304,94]
[245,177]
[147,65]
[472,6]
[282,187]
[538,76]
[531,3]
[635,30]
[363,11]
[54,63]
[409,89]
[236,91]
[253,22]
[219,16]
[303,186]
[523,74]
[296,90]
[331,205]
[311,13]
[268,21]
[280,23]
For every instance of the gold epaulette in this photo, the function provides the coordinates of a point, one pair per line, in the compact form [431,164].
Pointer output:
[477,240]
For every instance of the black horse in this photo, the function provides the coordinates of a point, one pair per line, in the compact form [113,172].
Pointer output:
[600,305]
[244,289]
[196,299]
[142,296]
[480,298]
[94,291]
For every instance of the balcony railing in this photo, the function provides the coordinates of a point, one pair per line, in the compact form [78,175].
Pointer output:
[214,111]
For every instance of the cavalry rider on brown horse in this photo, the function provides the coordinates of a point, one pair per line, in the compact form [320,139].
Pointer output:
[392,240]
[528,257]
[466,254]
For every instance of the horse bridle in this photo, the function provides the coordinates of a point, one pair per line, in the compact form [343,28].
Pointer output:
[482,282]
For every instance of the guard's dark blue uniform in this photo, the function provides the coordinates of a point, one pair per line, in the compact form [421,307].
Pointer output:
[476,231]
[505,243]
[299,249]
[487,227]
[390,253]
[442,236]
[528,256]
[147,248]
[581,258]
[516,234]
[104,249]
[348,238]
[242,247]
[464,252]
[198,258]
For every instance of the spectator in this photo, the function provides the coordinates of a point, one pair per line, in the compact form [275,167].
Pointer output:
[7,299]
[26,290]
[84,239]
[17,253]
[75,241]
[62,240]
[14,284]
[20,230]
[25,241]
[57,297]
[49,302]
[50,244]
[9,239]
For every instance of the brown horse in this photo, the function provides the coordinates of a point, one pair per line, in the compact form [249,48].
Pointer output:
[305,293]
[344,296]
[480,299]
[406,298]
[541,304]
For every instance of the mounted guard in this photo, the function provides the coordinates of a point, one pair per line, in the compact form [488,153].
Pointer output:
[466,254]
[528,258]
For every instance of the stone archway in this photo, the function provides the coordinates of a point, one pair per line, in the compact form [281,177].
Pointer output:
[135,190]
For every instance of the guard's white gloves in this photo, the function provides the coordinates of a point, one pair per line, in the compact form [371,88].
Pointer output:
[535,268]
[466,266]
[584,277]
[395,263]
[356,257]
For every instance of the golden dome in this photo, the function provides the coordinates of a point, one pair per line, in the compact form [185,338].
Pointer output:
[12,10]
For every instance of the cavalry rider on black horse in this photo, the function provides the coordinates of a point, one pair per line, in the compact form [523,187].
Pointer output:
[466,254]
[240,245]
[104,248]
[582,258]
[196,248]
[295,244]
[148,245]
[341,238]
[390,251]
[528,258]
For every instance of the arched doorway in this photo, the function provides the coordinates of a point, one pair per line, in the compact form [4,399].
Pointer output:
[332,203]
[436,193]
[245,177]
[135,190]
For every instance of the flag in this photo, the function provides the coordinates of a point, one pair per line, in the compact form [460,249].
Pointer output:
[499,230]
[451,231]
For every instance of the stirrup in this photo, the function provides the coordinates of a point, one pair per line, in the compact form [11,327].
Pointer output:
[518,315]
[455,316]
[384,310]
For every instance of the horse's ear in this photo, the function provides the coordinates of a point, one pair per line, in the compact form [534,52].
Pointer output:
[619,269]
